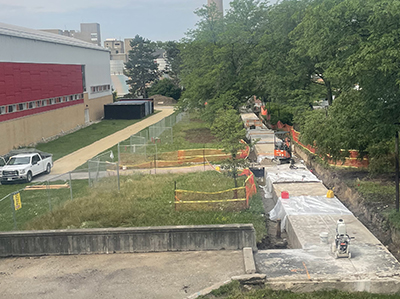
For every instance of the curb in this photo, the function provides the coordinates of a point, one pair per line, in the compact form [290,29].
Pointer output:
[249,268]
[208,290]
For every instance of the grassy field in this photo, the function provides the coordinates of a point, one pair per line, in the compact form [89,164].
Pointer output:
[36,202]
[84,137]
[148,200]
[235,291]
[190,133]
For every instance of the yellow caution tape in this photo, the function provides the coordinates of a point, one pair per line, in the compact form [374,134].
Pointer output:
[218,192]
[208,201]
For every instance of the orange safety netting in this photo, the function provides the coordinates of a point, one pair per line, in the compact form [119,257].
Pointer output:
[177,158]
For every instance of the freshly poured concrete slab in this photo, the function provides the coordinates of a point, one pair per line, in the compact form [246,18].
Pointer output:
[310,265]
[296,189]
[278,174]
[264,151]
[261,135]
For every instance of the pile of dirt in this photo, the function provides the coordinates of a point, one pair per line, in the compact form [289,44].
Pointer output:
[160,100]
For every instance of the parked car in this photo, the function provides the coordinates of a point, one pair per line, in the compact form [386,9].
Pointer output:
[24,166]
[2,163]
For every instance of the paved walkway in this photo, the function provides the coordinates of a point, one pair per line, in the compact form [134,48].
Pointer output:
[76,159]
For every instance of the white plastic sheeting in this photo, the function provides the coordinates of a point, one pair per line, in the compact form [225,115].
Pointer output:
[289,176]
[307,206]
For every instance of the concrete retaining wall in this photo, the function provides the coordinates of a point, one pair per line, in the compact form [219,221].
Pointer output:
[123,240]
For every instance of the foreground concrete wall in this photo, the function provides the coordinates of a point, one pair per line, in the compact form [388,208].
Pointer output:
[122,240]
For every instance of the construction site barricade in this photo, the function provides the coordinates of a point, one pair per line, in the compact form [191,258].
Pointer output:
[234,199]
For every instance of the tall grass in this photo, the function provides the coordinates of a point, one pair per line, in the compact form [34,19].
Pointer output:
[148,200]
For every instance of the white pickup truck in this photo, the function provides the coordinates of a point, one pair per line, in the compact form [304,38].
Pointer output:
[24,166]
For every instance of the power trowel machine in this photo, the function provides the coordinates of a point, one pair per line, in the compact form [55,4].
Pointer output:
[341,244]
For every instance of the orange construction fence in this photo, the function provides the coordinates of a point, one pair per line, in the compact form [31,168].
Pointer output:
[178,158]
[231,199]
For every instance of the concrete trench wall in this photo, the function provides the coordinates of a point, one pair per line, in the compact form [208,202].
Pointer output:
[377,224]
[124,240]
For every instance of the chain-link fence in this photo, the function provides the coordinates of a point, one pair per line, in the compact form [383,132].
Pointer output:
[21,206]
[142,150]
[103,172]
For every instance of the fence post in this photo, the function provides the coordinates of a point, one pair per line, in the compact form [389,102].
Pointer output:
[13,210]
[118,177]
[204,157]
[70,186]
[48,195]
[88,162]
[119,156]
[175,194]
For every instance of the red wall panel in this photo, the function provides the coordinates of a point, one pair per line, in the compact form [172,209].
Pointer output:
[24,82]
[18,114]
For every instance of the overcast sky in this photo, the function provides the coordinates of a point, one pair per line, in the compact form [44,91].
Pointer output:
[153,19]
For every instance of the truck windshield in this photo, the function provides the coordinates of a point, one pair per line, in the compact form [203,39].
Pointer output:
[19,160]
[2,163]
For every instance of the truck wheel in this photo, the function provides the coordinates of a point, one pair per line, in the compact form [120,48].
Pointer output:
[29,177]
[48,168]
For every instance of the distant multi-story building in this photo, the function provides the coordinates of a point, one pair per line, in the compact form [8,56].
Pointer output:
[90,32]
[218,3]
[117,49]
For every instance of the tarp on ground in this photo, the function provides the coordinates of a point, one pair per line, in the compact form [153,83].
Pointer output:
[306,206]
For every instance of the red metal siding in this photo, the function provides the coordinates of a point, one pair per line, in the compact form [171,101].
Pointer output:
[23,82]
[23,113]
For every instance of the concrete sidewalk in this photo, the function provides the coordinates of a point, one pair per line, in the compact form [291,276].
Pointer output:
[138,275]
[77,158]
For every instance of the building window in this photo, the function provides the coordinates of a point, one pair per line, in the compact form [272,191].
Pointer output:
[12,108]
[71,98]
[2,110]
[31,105]
[21,107]
[44,103]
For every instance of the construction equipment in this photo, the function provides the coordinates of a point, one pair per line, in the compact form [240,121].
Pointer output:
[341,244]
[282,147]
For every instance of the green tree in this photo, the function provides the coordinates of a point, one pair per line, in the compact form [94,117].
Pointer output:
[141,67]
[166,88]
[174,60]
[228,128]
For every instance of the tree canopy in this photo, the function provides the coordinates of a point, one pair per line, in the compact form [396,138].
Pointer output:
[297,53]
[141,68]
